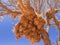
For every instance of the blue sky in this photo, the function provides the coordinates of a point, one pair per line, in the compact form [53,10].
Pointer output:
[7,37]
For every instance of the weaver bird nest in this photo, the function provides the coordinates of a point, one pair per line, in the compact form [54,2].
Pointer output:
[32,29]
[32,23]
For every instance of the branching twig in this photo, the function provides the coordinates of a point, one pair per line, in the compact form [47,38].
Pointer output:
[3,13]
[9,10]
[51,14]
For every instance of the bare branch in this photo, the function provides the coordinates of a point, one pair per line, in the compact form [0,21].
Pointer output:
[9,10]
[51,15]
[12,2]
[35,5]
[2,13]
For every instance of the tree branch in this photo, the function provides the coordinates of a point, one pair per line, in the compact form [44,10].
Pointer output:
[2,13]
[9,10]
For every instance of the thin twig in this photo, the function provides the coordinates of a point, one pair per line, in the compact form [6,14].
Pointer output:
[9,10]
